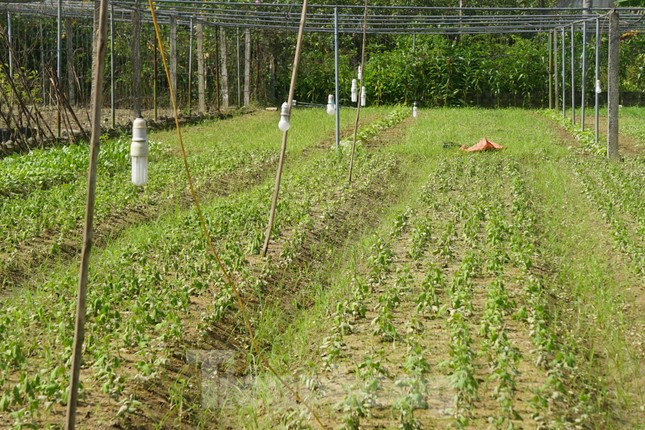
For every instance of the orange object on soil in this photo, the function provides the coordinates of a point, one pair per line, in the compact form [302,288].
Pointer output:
[483,145]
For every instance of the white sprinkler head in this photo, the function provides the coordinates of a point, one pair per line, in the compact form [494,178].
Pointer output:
[284,124]
[139,152]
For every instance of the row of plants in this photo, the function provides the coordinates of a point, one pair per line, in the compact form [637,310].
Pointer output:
[468,262]
[141,289]
[43,208]
[617,193]
[464,275]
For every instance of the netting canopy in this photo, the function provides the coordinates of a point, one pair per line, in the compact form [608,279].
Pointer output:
[320,18]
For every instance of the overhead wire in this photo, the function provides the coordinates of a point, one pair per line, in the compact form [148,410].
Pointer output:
[383,19]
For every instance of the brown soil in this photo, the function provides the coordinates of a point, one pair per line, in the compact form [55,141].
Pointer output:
[281,285]
[626,144]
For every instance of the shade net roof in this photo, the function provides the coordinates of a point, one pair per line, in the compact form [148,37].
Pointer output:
[320,18]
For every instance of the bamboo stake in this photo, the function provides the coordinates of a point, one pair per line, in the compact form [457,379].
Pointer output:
[283,149]
[360,94]
[79,331]
[218,260]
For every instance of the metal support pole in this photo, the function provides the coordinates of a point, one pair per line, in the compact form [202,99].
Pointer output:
[556,75]
[564,75]
[59,60]
[573,75]
[597,78]
[9,39]
[584,75]
[549,42]
[239,69]
[613,85]
[136,60]
[42,58]
[336,79]
[112,95]
[190,66]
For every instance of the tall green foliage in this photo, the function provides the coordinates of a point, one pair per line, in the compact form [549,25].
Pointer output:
[438,70]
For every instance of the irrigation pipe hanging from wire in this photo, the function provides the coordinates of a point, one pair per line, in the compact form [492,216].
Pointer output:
[283,149]
[360,95]
[218,260]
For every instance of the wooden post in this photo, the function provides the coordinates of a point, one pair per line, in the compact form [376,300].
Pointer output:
[79,331]
[136,62]
[247,66]
[223,67]
[173,53]
[201,80]
[613,83]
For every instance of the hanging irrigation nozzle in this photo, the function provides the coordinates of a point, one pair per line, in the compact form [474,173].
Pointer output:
[354,91]
[331,107]
[139,152]
[363,97]
[414,110]
[284,124]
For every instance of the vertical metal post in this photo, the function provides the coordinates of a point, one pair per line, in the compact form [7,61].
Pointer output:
[613,85]
[336,79]
[597,77]
[190,66]
[573,75]
[584,75]
[59,60]
[10,44]
[42,58]
[136,60]
[556,75]
[549,42]
[564,75]
[239,69]
[173,54]
[112,106]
